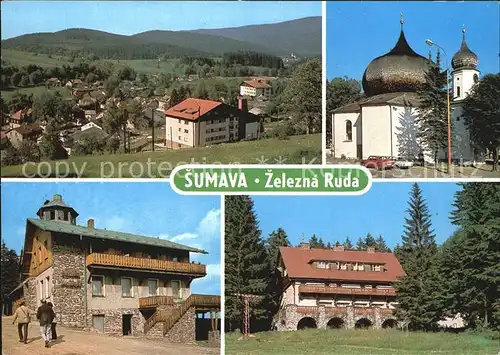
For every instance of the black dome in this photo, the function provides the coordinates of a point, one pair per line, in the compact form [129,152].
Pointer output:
[400,70]
[464,58]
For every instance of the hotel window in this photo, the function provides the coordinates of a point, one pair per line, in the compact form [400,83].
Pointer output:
[179,137]
[98,286]
[176,289]
[343,266]
[348,130]
[377,268]
[153,287]
[52,215]
[186,131]
[321,265]
[126,287]
[186,122]
[179,129]
[42,296]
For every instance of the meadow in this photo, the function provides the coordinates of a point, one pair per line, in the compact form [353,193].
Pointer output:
[360,342]
[295,150]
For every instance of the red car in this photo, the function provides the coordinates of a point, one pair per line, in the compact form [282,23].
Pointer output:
[378,162]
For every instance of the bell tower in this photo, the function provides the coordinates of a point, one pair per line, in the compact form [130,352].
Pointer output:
[464,74]
[57,210]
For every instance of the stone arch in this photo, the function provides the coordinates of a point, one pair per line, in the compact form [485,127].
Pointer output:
[389,323]
[307,323]
[363,323]
[335,323]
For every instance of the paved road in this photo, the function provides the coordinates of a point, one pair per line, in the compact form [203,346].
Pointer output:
[74,342]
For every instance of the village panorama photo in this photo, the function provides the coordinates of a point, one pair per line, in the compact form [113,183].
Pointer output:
[413,90]
[117,268]
[125,93]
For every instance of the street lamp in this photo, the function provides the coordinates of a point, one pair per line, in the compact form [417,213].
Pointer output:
[431,43]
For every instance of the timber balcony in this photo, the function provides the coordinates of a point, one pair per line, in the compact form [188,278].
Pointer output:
[346,291]
[145,264]
[155,301]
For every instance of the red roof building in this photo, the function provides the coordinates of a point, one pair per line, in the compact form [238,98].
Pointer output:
[256,88]
[337,288]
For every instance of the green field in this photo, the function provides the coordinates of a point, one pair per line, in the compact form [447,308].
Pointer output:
[21,58]
[36,91]
[296,150]
[360,342]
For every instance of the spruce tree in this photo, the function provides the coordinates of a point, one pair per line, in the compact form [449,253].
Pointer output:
[420,302]
[381,246]
[347,243]
[433,115]
[9,271]
[246,262]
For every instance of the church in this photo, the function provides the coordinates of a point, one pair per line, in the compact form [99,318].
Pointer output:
[384,122]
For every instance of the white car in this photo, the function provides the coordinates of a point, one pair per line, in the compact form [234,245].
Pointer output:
[403,163]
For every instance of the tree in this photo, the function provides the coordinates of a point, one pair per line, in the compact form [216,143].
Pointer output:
[316,243]
[246,262]
[52,105]
[29,151]
[420,301]
[175,98]
[19,101]
[481,113]
[381,246]
[36,77]
[433,116]
[302,97]
[339,92]
[348,243]
[50,145]
[9,271]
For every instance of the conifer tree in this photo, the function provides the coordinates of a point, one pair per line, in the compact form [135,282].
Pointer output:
[347,243]
[420,302]
[433,116]
[246,262]
[381,246]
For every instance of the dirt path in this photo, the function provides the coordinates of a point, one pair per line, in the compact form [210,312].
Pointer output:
[74,342]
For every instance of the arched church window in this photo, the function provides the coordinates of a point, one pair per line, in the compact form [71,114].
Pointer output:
[348,130]
[458,91]
[475,78]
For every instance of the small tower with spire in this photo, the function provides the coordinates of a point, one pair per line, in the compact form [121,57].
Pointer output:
[464,74]
[57,210]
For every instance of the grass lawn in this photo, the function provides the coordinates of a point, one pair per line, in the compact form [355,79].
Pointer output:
[21,58]
[296,150]
[360,342]
[36,91]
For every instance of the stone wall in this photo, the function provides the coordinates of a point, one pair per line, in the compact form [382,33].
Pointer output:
[184,330]
[214,338]
[290,316]
[68,282]
[156,331]
[113,321]
[29,292]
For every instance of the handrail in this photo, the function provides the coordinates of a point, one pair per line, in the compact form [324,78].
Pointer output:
[144,263]
[346,291]
[154,301]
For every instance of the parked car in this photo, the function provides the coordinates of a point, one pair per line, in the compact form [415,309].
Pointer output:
[403,163]
[378,162]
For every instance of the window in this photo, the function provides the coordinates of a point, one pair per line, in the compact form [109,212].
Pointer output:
[458,91]
[186,131]
[98,286]
[126,287]
[40,255]
[176,289]
[348,130]
[185,139]
[153,287]
[458,118]
[52,215]
[475,78]
[175,259]
[186,122]
[66,215]
[47,287]
[321,265]
[42,296]
[377,268]
[179,129]
[343,266]
[179,137]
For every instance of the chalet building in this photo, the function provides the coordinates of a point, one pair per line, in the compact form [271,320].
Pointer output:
[256,88]
[31,131]
[197,122]
[337,288]
[112,282]
[20,117]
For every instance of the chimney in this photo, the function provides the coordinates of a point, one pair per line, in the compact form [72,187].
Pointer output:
[90,223]
[304,246]
[371,250]
[242,104]
[339,247]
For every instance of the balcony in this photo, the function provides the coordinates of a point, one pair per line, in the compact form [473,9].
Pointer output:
[144,264]
[155,301]
[346,291]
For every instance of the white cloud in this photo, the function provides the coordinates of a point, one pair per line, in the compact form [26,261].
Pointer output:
[184,236]
[209,284]
[114,223]
[210,224]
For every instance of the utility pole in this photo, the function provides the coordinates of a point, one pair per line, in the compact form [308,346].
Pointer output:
[247,299]
[153,129]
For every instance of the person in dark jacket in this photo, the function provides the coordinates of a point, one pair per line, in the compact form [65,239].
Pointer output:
[45,315]
[54,323]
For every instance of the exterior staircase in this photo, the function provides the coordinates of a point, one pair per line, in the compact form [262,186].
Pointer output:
[169,317]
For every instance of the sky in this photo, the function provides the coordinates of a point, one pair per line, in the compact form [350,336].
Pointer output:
[149,209]
[358,32]
[381,211]
[22,17]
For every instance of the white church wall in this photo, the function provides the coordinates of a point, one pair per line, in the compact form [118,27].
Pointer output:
[342,145]
[463,79]
[376,130]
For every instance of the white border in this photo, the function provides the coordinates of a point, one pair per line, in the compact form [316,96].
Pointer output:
[222,273]
[235,168]
[323,82]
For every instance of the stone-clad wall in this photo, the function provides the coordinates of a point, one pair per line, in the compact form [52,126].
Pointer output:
[68,282]
[113,321]
[184,330]
[29,292]
[290,316]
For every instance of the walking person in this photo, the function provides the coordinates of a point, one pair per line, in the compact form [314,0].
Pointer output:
[54,323]
[23,317]
[45,315]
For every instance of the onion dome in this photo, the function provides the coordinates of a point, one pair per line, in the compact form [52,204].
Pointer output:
[464,58]
[400,70]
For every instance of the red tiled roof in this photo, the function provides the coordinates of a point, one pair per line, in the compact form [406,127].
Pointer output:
[258,84]
[192,109]
[28,129]
[298,264]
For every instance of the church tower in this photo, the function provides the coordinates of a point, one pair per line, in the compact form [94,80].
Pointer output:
[57,210]
[464,74]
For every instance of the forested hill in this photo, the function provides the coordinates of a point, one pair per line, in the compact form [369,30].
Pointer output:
[302,37]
